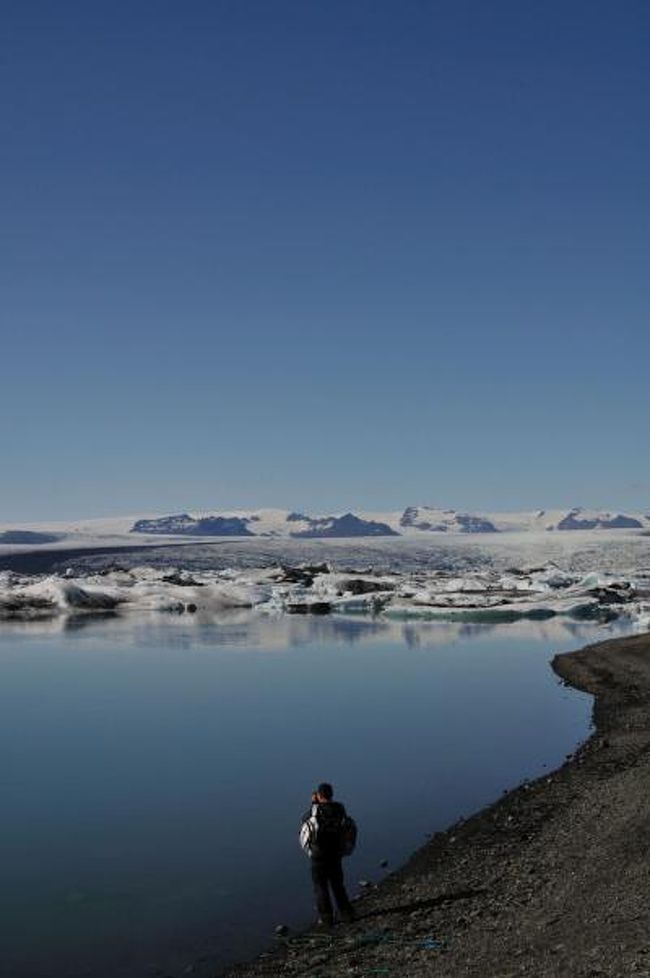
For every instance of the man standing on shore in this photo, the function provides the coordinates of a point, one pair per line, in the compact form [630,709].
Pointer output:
[327,834]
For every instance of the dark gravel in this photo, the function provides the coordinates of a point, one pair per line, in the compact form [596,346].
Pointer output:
[552,880]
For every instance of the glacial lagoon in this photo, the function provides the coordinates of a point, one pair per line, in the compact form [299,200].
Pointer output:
[155,768]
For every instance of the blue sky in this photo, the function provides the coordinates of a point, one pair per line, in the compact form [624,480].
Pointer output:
[323,255]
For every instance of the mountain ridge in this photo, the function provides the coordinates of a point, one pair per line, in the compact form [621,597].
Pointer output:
[412,521]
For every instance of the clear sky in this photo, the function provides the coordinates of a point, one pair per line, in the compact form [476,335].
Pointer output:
[323,254]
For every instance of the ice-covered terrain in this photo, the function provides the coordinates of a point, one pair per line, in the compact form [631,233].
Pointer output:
[482,593]
[412,523]
[420,562]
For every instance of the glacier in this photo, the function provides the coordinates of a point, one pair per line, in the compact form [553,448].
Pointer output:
[414,523]
[419,563]
[481,594]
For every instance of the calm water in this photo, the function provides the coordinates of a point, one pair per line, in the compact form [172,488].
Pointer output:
[154,772]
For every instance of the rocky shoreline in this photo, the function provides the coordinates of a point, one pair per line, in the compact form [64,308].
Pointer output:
[551,880]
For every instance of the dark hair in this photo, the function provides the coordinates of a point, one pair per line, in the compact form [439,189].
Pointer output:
[326,790]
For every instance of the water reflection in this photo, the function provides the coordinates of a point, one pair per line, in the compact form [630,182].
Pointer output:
[139,752]
[254,629]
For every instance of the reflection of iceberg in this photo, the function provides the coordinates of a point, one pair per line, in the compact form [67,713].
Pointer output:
[245,628]
[581,609]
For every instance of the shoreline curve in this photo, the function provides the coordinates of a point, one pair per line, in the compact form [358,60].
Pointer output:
[550,881]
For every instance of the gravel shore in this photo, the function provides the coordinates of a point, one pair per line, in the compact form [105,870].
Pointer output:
[551,880]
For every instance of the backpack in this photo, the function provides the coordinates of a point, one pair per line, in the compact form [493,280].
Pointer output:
[328,830]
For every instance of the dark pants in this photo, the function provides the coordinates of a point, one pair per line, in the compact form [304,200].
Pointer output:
[326,874]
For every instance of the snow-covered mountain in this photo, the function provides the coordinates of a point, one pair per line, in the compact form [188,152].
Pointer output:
[414,523]
[441,521]
[581,519]
[265,523]
[206,526]
[27,537]
[569,519]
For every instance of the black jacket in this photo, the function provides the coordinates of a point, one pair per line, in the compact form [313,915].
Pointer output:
[330,815]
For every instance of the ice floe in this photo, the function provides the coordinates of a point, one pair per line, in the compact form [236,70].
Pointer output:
[480,595]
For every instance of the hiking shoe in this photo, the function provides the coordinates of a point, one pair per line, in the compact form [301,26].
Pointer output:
[325,923]
[348,916]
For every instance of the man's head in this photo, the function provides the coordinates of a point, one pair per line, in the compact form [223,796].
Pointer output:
[324,791]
